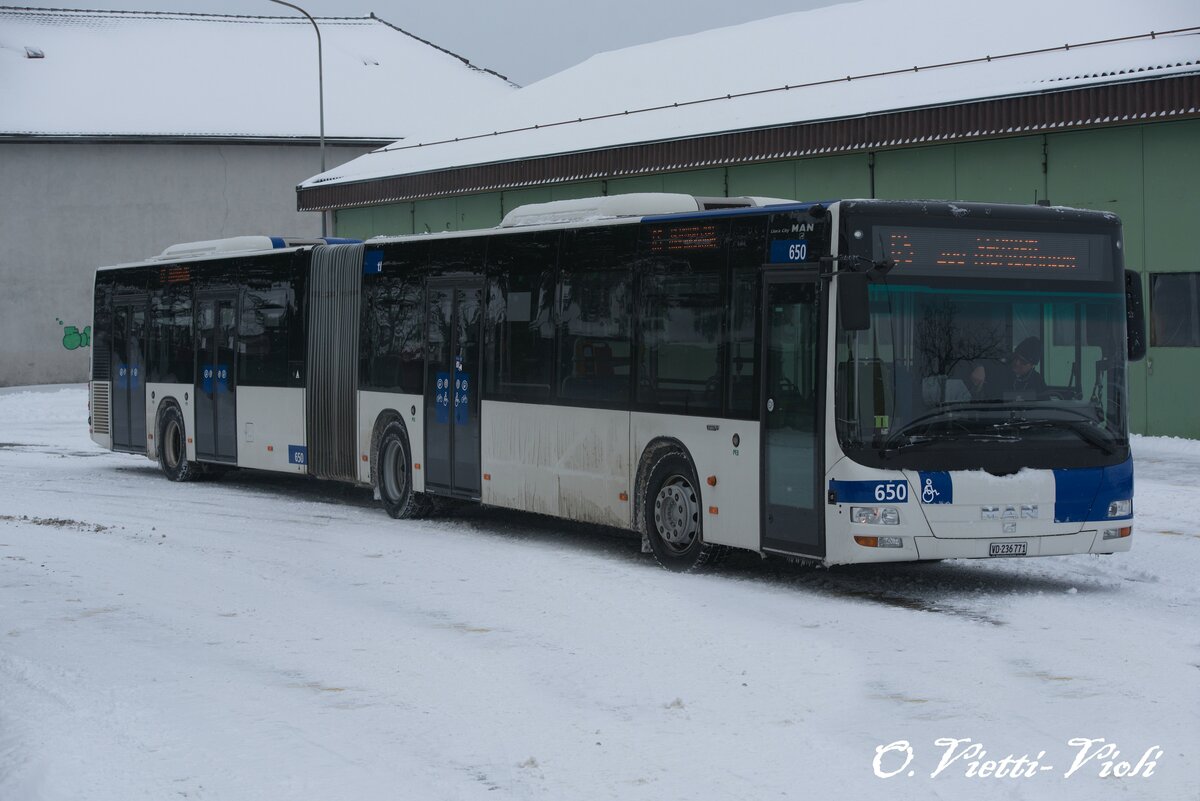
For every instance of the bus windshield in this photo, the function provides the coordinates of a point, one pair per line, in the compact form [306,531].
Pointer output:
[970,378]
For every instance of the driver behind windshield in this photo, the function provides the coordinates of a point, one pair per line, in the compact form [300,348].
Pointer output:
[1027,383]
[1022,382]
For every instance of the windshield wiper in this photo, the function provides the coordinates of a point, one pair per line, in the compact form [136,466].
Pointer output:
[945,410]
[916,441]
[1084,432]
[921,440]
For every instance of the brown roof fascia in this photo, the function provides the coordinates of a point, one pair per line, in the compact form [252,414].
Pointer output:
[1124,103]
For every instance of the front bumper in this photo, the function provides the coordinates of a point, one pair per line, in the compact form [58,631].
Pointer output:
[1088,541]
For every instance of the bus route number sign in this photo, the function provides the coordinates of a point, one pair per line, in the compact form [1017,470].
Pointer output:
[789,250]
[892,491]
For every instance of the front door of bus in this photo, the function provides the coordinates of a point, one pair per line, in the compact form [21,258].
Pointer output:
[791,443]
[452,368]
[216,385]
[128,373]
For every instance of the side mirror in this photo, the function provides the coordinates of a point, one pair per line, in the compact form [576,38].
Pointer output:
[854,310]
[1135,317]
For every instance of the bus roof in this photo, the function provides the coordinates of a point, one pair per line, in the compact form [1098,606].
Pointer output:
[230,246]
[616,210]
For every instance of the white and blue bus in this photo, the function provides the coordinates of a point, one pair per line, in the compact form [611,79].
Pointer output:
[841,382]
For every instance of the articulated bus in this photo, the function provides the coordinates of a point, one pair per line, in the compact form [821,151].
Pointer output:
[838,382]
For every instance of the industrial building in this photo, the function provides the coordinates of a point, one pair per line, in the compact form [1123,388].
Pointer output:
[122,133]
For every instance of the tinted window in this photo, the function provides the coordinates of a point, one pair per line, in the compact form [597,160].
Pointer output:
[594,343]
[1175,310]
[298,320]
[102,326]
[267,308]
[393,320]
[170,346]
[596,315]
[457,255]
[746,256]
[520,307]
[682,316]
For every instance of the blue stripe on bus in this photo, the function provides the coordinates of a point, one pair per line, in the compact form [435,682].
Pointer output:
[278,242]
[1084,493]
[864,491]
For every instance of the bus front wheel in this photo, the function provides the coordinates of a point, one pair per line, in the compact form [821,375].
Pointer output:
[673,515]
[172,448]
[393,476]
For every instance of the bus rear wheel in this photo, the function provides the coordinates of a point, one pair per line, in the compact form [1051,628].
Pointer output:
[393,476]
[172,447]
[674,517]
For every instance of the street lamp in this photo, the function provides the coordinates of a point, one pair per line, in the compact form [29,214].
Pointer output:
[321,89]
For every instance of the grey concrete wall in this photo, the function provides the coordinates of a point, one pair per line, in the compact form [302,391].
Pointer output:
[66,209]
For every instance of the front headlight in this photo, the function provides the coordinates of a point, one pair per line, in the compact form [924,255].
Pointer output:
[1121,508]
[875,515]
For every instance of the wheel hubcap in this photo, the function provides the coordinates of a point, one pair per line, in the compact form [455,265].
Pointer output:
[173,444]
[677,513]
[395,478]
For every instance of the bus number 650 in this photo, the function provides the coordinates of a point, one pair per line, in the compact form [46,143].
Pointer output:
[892,491]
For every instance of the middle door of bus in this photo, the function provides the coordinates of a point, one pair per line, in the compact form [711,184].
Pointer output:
[791,433]
[452,381]
[216,382]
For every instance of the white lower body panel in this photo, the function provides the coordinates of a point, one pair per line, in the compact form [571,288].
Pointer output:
[271,429]
[557,460]
[732,508]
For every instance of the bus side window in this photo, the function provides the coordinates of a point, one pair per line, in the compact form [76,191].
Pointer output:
[519,316]
[393,324]
[102,326]
[746,252]
[595,318]
[263,340]
[682,316]
[169,351]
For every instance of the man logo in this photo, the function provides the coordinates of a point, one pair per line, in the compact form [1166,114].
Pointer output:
[1029,511]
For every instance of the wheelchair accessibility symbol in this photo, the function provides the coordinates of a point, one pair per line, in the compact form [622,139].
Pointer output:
[928,493]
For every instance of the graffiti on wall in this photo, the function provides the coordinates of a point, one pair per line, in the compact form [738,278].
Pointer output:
[73,338]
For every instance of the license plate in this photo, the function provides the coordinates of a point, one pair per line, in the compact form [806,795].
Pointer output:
[1007,549]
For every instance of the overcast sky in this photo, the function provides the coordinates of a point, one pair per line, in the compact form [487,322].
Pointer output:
[523,39]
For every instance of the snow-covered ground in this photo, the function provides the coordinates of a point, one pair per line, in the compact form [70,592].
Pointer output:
[267,638]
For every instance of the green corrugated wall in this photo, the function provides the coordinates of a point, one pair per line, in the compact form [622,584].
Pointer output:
[1148,174]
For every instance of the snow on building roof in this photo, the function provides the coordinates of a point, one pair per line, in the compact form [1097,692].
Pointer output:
[804,67]
[121,73]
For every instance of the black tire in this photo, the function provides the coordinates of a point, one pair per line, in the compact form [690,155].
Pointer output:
[673,515]
[172,446]
[393,475]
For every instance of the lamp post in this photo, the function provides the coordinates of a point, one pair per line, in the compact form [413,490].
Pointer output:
[320,89]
